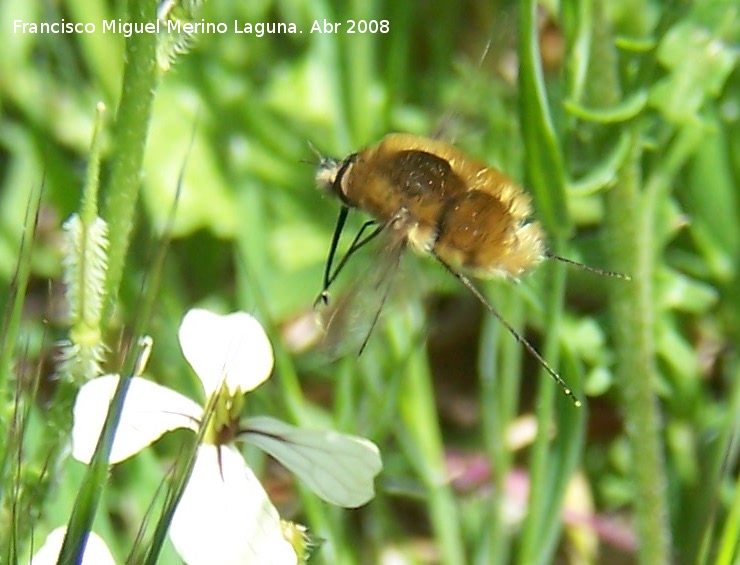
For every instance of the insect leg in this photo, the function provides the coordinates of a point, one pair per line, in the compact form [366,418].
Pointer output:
[338,229]
[519,337]
[588,268]
[357,243]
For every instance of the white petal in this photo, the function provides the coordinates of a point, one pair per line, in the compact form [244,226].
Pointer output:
[149,411]
[96,552]
[339,468]
[225,517]
[232,348]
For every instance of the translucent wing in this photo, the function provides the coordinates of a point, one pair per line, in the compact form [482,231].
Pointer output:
[349,319]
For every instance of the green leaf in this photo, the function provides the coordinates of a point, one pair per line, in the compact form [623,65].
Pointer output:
[545,169]
[603,174]
[698,64]
[627,109]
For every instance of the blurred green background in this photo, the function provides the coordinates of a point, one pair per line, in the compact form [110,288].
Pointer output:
[622,119]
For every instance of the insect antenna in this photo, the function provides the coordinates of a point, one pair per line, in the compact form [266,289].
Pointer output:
[316,152]
[519,337]
[590,269]
[443,127]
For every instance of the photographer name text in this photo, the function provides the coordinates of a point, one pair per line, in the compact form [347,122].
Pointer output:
[258,29]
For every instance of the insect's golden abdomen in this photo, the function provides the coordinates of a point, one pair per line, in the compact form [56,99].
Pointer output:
[478,234]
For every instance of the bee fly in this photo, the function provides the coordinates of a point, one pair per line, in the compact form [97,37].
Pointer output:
[430,196]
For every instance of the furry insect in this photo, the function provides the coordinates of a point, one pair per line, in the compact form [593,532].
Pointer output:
[430,196]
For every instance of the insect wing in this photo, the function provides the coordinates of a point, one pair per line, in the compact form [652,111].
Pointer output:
[348,318]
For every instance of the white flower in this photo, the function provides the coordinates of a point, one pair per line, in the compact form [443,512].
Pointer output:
[224,515]
[96,552]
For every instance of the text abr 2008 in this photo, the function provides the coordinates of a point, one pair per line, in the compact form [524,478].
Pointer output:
[368,26]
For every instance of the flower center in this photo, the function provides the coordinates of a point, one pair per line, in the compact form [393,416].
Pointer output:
[223,425]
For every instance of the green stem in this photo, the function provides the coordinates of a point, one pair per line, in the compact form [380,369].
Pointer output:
[553,463]
[726,543]
[130,139]
[630,240]
[423,441]
[12,405]
[130,135]
[631,243]
[500,374]
[545,173]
